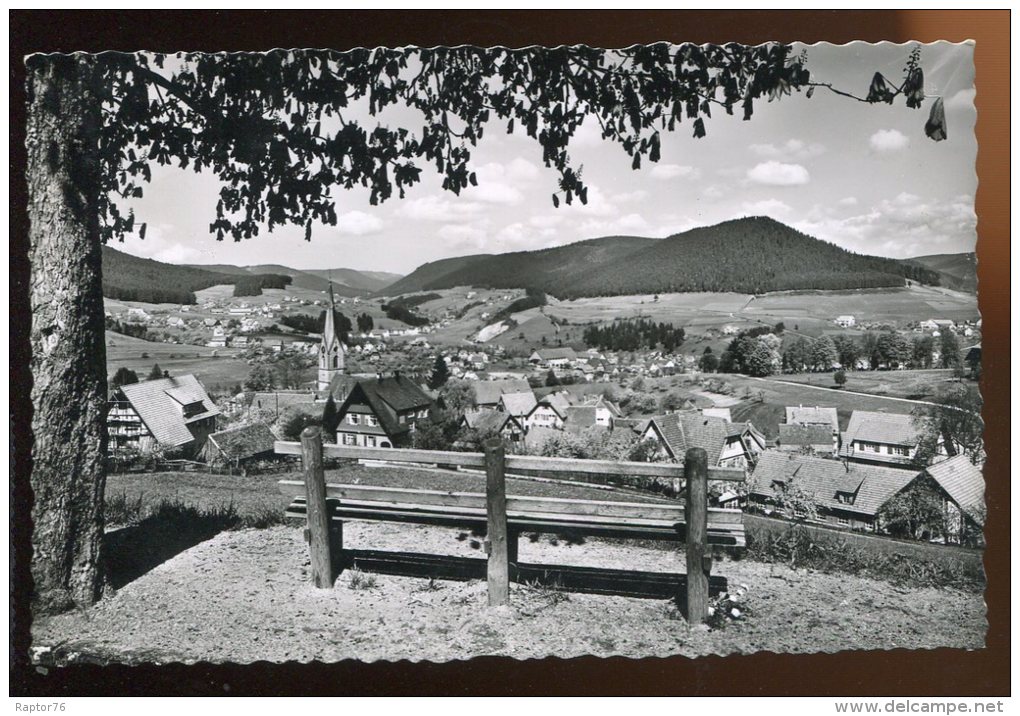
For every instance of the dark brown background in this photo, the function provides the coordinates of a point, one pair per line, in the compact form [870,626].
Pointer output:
[940,672]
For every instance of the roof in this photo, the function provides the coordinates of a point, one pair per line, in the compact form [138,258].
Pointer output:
[963,482]
[518,404]
[890,428]
[804,435]
[340,385]
[159,403]
[487,392]
[245,441]
[387,397]
[556,353]
[486,419]
[872,485]
[282,400]
[801,415]
[682,431]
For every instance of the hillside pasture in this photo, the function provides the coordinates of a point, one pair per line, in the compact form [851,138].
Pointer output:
[909,384]
[216,372]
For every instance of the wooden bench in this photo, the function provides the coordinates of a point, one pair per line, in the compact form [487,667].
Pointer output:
[505,518]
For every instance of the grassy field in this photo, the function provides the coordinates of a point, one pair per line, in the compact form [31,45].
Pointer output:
[910,384]
[216,372]
[769,413]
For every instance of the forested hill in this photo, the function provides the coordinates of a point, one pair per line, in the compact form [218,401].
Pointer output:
[346,282]
[546,270]
[749,255]
[131,278]
[957,271]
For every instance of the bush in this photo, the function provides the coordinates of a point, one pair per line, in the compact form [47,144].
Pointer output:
[293,421]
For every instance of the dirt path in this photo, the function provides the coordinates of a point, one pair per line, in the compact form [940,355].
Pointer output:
[245,596]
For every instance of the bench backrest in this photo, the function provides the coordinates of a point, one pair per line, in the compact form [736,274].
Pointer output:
[473,502]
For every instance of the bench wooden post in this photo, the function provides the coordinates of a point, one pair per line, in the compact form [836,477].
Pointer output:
[319,541]
[498,571]
[696,516]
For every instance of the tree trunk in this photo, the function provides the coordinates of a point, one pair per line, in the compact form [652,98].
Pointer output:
[67,334]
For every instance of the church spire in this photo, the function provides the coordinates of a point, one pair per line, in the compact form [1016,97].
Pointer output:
[331,352]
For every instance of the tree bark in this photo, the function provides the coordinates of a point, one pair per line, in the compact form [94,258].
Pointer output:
[67,333]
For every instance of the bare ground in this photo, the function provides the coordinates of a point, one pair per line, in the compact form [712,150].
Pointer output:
[245,596]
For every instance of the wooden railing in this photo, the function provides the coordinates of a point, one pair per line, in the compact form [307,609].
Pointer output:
[695,511]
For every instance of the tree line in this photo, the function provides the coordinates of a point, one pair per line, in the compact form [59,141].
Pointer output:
[761,352]
[634,334]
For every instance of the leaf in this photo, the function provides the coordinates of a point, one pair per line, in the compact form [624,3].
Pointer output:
[556,201]
[699,128]
[935,127]
[141,230]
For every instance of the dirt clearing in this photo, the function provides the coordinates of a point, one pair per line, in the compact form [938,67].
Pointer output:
[245,596]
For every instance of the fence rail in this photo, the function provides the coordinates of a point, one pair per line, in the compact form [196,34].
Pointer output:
[551,465]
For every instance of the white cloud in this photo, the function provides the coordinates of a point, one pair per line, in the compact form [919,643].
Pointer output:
[903,226]
[435,208]
[888,140]
[358,223]
[848,201]
[627,197]
[766,207]
[713,192]
[156,245]
[627,224]
[791,149]
[674,171]
[778,174]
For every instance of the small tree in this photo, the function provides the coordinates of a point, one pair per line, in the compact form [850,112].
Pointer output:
[260,377]
[551,379]
[840,378]
[458,396]
[294,421]
[330,419]
[123,376]
[156,373]
[953,421]
[914,513]
[440,374]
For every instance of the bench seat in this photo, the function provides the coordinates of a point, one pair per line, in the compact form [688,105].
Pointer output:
[624,520]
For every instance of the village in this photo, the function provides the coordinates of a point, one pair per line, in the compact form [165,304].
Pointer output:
[398,385]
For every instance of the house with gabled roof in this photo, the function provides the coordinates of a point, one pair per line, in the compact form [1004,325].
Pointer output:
[166,413]
[813,415]
[518,404]
[549,412]
[382,412]
[488,392]
[554,357]
[727,444]
[816,439]
[963,490]
[241,445]
[489,421]
[845,494]
[882,439]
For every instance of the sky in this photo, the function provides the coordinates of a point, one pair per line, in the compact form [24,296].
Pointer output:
[864,177]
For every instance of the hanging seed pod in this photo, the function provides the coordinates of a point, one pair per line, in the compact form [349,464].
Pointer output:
[935,127]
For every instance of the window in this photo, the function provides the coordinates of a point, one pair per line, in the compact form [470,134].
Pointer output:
[371,420]
[350,439]
[845,521]
[403,419]
[369,441]
[899,450]
[353,418]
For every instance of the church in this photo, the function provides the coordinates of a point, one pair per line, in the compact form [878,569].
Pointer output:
[332,351]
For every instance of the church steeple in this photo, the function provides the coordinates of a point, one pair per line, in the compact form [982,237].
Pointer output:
[332,350]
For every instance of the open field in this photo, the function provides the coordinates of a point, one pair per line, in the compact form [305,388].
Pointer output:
[769,413]
[910,384]
[216,372]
